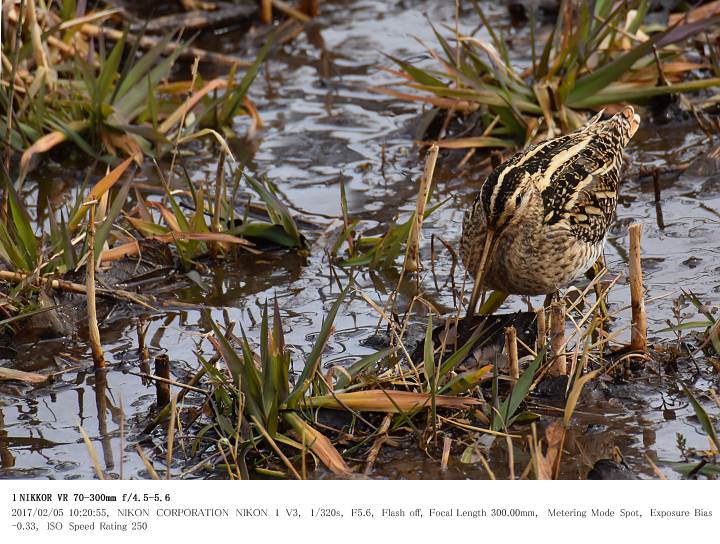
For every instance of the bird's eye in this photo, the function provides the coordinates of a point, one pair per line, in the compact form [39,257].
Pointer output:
[518,201]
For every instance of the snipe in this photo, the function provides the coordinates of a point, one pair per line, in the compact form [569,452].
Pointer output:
[541,218]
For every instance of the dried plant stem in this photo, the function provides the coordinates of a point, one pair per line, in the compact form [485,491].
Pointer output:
[93,329]
[638,336]
[447,443]
[658,198]
[655,468]
[379,441]
[171,438]
[36,36]
[511,350]
[266,11]
[290,11]
[184,389]
[311,7]
[148,465]
[277,449]
[93,454]
[175,383]
[557,338]
[142,347]
[72,287]
[541,329]
[412,255]
[511,457]
[148,42]
[162,387]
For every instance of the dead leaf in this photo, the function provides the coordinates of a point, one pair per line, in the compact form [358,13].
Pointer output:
[319,444]
[697,14]
[546,462]
[388,401]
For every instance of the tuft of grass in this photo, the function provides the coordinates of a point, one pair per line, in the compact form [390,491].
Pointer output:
[107,101]
[597,54]
[257,406]
[376,252]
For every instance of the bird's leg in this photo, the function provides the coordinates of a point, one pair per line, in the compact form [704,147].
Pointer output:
[549,300]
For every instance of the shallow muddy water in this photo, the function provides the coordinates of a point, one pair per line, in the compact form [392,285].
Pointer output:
[324,124]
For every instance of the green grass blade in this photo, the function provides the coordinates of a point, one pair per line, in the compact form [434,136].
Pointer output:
[238,93]
[517,395]
[108,70]
[360,366]
[620,92]
[312,363]
[703,417]
[595,82]
[135,99]
[242,373]
[278,211]
[283,369]
[264,231]
[103,231]
[21,223]
[429,357]
[10,251]
[141,68]
[419,75]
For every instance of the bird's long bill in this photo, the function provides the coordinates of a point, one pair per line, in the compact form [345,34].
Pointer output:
[482,269]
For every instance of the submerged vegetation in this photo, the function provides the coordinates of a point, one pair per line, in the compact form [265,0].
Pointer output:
[498,394]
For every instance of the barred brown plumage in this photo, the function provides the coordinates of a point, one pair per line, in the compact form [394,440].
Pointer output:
[540,219]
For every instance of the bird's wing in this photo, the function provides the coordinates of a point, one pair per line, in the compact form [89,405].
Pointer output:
[580,181]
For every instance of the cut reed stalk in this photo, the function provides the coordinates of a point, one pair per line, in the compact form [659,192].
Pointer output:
[162,387]
[557,338]
[541,329]
[142,347]
[412,255]
[93,329]
[311,7]
[266,11]
[447,443]
[638,336]
[511,350]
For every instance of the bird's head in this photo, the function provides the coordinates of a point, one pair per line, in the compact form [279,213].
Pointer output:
[627,122]
[501,202]
[504,195]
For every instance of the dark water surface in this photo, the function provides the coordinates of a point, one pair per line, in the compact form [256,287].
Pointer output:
[324,124]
